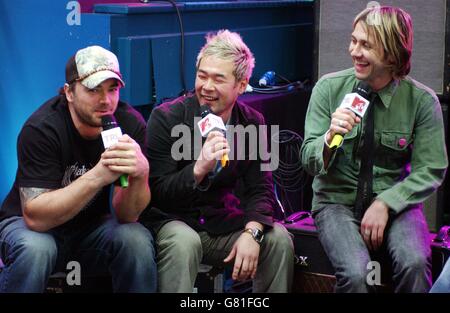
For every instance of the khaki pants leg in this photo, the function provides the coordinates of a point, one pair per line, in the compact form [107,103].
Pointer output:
[179,252]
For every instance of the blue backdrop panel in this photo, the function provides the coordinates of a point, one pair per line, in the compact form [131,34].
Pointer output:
[160,18]
[281,49]
[166,60]
[135,58]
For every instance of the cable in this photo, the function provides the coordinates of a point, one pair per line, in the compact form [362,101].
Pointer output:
[278,89]
[283,78]
[184,90]
[290,175]
[267,84]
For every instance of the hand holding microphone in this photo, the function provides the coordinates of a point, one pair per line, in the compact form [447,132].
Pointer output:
[110,136]
[216,145]
[349,113]
[211,122]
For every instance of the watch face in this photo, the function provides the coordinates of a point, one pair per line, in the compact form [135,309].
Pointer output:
[258,235]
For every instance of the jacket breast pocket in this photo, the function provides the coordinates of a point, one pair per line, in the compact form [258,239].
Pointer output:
[394,150]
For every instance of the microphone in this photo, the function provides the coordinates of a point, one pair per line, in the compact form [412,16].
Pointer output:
[268,79]
[110,135]
[210,122]
[357,103]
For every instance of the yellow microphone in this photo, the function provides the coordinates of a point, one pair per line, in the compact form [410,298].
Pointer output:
[225,160]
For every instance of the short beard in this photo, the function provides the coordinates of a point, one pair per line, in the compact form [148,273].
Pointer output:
[90,121]
[87,120]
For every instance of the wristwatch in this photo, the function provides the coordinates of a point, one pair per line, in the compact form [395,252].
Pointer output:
[257,234]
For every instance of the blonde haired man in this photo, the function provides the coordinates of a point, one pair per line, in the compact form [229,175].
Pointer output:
[202,216]
[407,158]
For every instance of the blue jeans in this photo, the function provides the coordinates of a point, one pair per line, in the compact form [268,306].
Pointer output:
[406,240]
[124,251]
[442,284]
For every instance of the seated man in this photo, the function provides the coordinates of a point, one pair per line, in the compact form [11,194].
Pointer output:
[368,191]
[58,209]
[202,217]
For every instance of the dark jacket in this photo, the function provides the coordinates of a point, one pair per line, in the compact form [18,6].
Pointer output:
[221,203]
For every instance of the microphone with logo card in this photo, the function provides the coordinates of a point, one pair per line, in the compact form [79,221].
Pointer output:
[110,136]
[357,102]
[210,122]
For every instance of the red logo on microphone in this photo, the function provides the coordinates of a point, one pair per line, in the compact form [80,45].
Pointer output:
[358,104]
[205,124]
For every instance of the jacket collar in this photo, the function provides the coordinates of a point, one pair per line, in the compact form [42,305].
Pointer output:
[387,93]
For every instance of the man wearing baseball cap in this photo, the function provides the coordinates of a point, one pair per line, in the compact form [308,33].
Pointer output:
[58,209]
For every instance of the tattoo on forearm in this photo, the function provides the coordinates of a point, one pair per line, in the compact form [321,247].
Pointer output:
[28,194]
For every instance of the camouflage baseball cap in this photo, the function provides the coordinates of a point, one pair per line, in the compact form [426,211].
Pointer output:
[91,66]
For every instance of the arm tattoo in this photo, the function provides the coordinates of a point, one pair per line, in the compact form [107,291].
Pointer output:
[28,194]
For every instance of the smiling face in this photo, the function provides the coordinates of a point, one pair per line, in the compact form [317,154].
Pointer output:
[217,87]
[87,106]
[368,59]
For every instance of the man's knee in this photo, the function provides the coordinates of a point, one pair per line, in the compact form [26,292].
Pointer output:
[178,239]
[415,263]
[34,247]
[134,237]
[279,238]
[355,277]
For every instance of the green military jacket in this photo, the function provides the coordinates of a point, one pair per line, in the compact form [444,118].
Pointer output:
[410,153]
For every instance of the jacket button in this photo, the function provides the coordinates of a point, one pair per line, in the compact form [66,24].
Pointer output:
[402,142]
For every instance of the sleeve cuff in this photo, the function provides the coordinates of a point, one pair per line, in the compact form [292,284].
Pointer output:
[319,156]
[266,220]
[204,184]
[326,143]
[392,201]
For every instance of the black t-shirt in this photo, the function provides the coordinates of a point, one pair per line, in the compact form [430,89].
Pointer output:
[52,154]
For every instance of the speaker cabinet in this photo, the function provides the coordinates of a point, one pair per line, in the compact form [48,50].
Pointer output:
[313,270]
[333,26]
